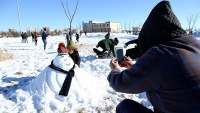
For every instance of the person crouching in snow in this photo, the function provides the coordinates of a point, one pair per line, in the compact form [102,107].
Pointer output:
[108,46]
[73,52]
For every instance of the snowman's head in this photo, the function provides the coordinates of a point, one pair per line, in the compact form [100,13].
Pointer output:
[63,61]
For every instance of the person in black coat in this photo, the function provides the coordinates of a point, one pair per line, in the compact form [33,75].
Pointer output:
[73,52]
[33,39]
[107,36]
[22,35]
[77,37]
[135,52]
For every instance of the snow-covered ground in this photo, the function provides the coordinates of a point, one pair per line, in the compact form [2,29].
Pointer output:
[27,84]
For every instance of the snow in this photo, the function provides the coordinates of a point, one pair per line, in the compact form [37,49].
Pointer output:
[28,84]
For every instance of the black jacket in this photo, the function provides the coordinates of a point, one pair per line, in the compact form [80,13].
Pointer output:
[75,57]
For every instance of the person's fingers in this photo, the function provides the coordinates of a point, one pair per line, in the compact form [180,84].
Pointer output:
[114,60]
[124,65]
[111,60]
[125,58]
[112,63]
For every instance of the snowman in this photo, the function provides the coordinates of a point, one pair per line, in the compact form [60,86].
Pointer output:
[80,86]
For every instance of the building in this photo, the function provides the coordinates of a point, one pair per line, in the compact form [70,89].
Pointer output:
[11,30]
[29,30]
[98,26]
[136,30]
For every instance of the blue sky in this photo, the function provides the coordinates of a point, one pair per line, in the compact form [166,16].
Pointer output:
[39,13]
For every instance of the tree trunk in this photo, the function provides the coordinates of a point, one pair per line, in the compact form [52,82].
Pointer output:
[70,30]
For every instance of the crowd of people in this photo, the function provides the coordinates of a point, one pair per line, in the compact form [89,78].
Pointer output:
[25,36]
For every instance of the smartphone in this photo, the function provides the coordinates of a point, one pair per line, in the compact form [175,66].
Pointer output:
[119,53]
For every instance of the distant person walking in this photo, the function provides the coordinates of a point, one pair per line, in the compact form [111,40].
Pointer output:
[22,35]
[26,37]
[77,37]
[44,38]
[33,39]
[80,33]
[36,38]
[67,37]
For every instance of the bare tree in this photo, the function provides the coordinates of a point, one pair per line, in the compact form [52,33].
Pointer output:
[68,14]
[191,19]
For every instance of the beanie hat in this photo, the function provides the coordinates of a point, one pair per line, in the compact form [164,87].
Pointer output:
[61,49]
[161,26]
[116,41]
[71,44]
[107,36]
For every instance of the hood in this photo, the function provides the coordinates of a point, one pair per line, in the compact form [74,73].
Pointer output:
[161,26]
[114,41]
[71,44]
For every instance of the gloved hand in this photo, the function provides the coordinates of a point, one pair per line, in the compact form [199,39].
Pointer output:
[125,46]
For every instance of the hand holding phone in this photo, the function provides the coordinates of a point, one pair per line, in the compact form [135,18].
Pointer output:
[126,62]
[114,64]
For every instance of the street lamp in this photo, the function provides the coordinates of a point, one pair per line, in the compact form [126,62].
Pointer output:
[19,16]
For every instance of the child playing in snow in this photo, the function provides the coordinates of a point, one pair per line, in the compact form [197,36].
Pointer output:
[73,52]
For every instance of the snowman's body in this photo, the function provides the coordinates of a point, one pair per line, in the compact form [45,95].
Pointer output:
[50,81]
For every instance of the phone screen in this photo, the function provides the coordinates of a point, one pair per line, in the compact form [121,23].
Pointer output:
[119,54]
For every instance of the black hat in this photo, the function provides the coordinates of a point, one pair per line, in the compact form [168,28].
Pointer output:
[161,26]
[116,41]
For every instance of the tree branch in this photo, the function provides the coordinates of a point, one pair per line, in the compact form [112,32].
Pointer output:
[68,10]
[65,10]
[75,10]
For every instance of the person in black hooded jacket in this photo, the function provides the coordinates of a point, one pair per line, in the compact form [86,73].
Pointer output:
[73,52]
[168,71]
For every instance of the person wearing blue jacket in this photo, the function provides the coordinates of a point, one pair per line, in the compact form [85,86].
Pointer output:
[44,38]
